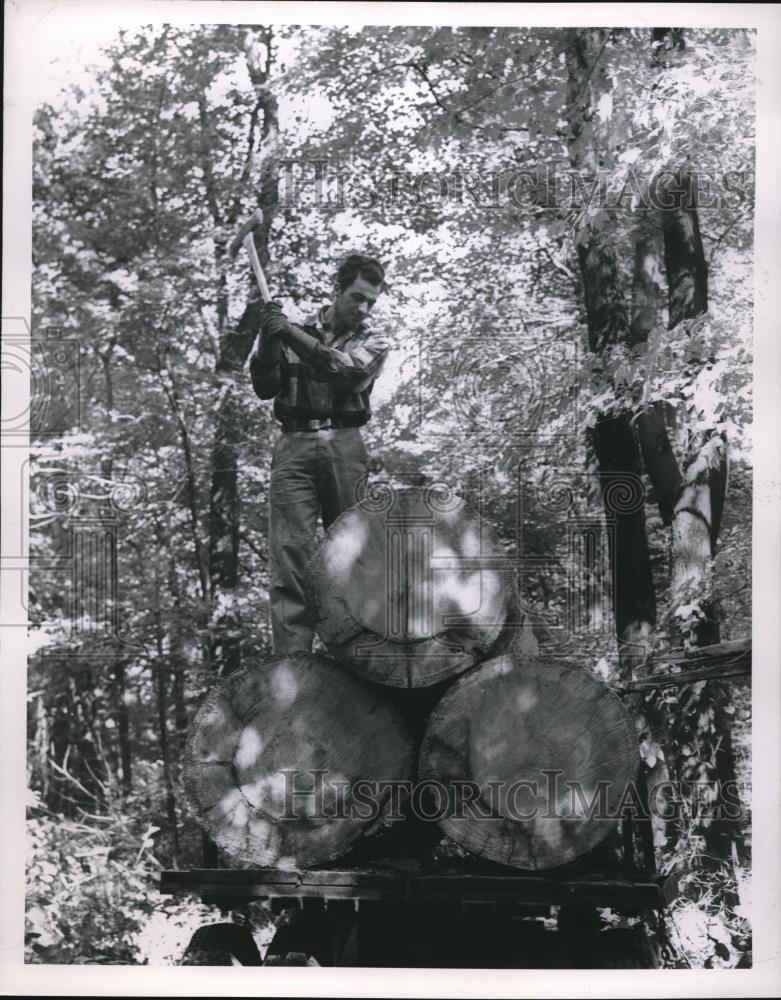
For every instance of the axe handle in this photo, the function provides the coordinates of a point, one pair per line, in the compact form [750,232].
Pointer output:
[249,243]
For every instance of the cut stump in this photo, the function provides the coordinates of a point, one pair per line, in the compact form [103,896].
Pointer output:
[407,587]
[275,751]
[547,752]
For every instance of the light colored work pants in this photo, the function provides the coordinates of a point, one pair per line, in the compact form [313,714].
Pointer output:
[312,472]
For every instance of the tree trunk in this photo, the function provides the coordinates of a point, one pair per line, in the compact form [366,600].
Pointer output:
[645,286]
[615,445]
[177,658]
[605,308]
[41,743]
[684,257]
[404,589]
[606,315]
[634,602]
[274,755]
[695,527]
[224,534]
[123,727]
[225,508]
[699,507]
[119,684]
[549,753]
[171,390]
[159,675]
[651,425]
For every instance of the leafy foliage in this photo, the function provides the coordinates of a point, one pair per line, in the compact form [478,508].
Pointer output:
[444,151]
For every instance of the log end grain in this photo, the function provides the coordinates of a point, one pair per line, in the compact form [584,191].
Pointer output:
[410,593]
[275,752]
[535,760]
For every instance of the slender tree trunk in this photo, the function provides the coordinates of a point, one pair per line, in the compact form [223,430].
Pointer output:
[178,666]
[41,744]
[119,684]
[225,506]
[123,727]
[159,674]
[172,394]
[86,763]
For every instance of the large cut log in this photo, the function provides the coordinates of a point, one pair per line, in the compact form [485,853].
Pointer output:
[407,587]
[530,763]
[274,754]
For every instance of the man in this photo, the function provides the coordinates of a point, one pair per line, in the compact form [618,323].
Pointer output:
[320,377]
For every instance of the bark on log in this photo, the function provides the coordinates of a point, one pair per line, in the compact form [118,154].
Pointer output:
[407,588]
[274,754]
[542,742]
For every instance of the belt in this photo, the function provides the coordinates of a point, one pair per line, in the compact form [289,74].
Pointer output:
[317,425]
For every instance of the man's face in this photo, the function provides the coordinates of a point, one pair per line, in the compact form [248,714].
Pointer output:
[355,303]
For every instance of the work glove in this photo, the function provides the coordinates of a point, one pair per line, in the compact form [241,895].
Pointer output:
[273,321]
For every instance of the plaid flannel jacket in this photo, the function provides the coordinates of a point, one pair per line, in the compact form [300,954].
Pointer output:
[337,382]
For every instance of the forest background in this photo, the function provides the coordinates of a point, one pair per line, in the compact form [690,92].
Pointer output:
[344,137]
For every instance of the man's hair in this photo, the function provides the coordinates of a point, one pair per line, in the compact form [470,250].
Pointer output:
[359,264]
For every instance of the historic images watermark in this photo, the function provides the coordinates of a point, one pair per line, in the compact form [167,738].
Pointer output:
[585,576]
[553,185]
[91,512]
[50,366]
[500,385]
[315,795]
[41,401]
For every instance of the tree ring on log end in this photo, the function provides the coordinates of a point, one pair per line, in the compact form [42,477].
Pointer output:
[546,754]
[275,752]
[410,594]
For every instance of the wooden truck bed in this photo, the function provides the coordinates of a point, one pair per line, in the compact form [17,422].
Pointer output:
[402,880]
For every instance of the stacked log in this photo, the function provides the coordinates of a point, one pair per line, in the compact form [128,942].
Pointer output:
[530,758]
[407,588]
[534,759]
[275,753]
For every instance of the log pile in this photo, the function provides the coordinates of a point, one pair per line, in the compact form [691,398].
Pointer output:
[525,759]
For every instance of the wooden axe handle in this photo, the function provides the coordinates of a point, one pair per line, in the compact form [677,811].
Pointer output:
[260,277]
[245,238]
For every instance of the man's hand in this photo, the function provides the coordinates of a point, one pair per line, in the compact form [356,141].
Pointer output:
[268,345]
[273,322]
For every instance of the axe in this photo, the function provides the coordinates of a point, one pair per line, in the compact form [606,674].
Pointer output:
[245,237]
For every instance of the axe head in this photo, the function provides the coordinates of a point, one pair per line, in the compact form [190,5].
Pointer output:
[252,223]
